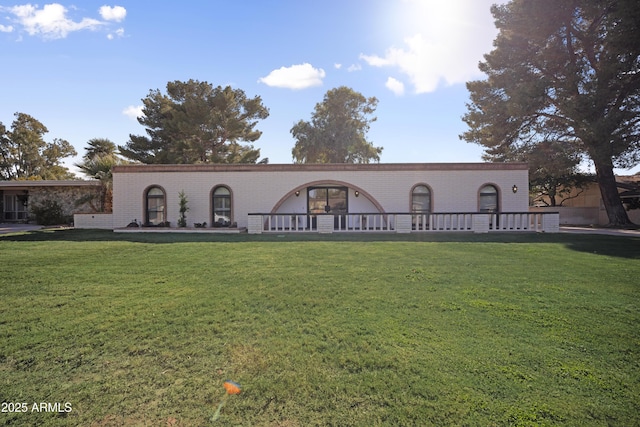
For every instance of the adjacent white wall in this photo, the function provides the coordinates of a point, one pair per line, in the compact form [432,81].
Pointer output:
[93,220]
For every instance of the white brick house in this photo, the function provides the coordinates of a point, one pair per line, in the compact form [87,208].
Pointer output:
[325,197]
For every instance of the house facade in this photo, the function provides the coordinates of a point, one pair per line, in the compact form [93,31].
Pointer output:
[323,197]
[73,196]
[585,206]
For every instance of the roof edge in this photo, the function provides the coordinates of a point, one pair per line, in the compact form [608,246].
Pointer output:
[331,167]
[49,183]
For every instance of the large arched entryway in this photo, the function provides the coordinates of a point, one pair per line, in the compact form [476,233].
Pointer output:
[328,197]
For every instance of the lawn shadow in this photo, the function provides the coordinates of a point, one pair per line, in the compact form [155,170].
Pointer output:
[609,245]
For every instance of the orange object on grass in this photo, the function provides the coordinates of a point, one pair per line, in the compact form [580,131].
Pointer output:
[231,387]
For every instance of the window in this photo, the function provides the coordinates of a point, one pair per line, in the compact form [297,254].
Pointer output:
[15,207]
[421,199]
[155,209]
[488,199]
[221,207]
[420,207]
[327,200]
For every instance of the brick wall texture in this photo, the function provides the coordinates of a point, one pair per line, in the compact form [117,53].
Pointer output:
[272,188]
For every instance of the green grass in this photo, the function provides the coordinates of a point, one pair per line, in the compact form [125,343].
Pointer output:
[445,329]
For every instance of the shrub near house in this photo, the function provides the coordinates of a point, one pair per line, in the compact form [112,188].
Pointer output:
[50,212]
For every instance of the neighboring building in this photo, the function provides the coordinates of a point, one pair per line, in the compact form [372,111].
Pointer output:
[585,206]
[322,197]
[16,197]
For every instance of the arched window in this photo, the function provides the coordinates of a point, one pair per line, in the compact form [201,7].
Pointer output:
[222,207]
[155,206]
[488,199]
[421,199]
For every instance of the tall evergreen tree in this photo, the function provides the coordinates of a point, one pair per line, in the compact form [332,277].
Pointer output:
[566,71]
[337,130]
[195,122]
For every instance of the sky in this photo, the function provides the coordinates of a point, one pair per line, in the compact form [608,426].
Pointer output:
[82,68]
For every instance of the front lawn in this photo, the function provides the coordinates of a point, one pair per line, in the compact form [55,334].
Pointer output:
[505,330]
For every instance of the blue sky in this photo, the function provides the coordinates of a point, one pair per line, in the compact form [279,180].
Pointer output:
[82,68]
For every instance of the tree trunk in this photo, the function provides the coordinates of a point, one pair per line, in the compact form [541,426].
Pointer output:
[552,196]
[616,213]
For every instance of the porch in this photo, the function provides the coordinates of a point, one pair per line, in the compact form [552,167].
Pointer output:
[403,222]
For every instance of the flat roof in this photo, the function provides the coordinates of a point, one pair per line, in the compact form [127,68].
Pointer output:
[49,183]
[331,167]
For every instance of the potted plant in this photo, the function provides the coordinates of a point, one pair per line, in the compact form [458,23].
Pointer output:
[182,221]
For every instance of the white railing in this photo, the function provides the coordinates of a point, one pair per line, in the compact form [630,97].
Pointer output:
[404,222]
[288,222]
[442,222]
[313,223]
[363,222]
[518,221]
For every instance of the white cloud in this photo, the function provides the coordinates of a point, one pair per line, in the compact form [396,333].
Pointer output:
[6,29]
[52,21]
[337,66]
[376,61]
[395,86]
[133,111]
[115,13]
[300,76]
[119,33]
[354,67]
[442,42]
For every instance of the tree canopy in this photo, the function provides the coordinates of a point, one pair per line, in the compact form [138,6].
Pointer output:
[337,130]
[195,122]
[568,72]
[24,154]
[554,175]
[99,147]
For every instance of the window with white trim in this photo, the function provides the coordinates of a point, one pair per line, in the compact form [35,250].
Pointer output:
[421,199]
[221,207]
[155,201]
[488,199]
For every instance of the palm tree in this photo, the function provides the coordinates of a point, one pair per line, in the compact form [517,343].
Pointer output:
[98,147]
[97,163]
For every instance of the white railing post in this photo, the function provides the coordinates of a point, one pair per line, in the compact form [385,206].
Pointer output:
[325,224]
[480,223]
[403,223]
[255,224]
[551,222]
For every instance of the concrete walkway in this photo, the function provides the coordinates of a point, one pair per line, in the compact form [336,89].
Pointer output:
[607,231]
[16,228]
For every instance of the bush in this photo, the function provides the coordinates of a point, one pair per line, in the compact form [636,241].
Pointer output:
[50,212]
[182,221]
